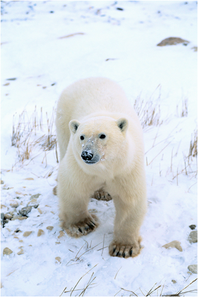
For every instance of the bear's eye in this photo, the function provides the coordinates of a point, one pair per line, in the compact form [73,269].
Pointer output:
[102,136]
[82,137]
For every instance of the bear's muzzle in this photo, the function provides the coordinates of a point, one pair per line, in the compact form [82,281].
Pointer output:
[89,157]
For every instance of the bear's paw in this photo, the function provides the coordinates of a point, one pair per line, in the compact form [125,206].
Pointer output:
[102,195]
[118,249]
[81,228]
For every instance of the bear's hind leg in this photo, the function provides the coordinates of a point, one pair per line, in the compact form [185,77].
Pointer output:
[101,195]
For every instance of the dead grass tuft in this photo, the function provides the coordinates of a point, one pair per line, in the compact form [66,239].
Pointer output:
[190,160]
[82,291]
[33,135]
[148,112]
[193,145]
[156,287]
[182,111]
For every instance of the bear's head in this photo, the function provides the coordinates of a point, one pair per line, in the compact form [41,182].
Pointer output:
[99,140]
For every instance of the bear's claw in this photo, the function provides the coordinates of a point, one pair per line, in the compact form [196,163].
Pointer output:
[81,228]
[124,251]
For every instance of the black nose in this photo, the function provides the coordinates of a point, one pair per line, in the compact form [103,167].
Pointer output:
[87,155]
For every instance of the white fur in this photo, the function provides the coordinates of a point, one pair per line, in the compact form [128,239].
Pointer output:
[96,106]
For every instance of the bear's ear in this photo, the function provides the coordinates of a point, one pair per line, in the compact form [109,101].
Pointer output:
[122,124]
[73,126]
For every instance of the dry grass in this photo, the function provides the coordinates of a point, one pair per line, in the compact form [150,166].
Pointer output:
[77,257]
[181,163]
[148,112]
[82,291]
[193,145]
[189,160]
[182,110]
[154,291]
[33,135]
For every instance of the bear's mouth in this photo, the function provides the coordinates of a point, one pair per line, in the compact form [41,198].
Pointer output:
[91,162]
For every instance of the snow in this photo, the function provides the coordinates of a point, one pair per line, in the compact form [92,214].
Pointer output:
[121,45]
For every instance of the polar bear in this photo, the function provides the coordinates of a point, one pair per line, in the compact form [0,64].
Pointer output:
[101,149]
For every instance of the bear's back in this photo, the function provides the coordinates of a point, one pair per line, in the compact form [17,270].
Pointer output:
[95,94]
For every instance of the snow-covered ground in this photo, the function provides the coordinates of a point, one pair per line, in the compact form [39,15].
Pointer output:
[40,55]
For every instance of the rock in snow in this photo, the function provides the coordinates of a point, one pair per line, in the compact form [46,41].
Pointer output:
[27,233]
[35,196]
[172,41]
[40,232]
[58,259]
[14,204]
[173,244]
[192,238]
[49,228]
[8,215]
[192,227]
[2,217]
[25,210]
[7,251]
[193,268]
[21,252]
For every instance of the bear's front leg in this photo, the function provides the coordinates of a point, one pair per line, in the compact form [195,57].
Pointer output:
[74,192]
[130,212]
[80,228]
